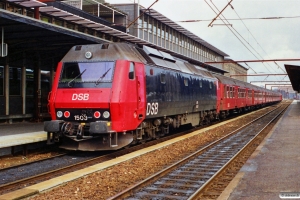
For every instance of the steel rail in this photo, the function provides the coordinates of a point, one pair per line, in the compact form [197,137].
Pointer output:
[125,193]
[34,179]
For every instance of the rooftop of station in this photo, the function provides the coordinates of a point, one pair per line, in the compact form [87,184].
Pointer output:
[293,72]
[47,39]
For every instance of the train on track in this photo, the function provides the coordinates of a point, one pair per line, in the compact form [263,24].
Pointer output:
[108,96]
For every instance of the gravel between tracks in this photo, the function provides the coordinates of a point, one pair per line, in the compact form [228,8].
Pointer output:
[110,181]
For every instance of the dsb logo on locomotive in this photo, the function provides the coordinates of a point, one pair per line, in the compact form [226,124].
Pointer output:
[152,108]
[80,97]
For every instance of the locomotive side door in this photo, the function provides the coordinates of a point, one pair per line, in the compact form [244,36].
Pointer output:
[141,90]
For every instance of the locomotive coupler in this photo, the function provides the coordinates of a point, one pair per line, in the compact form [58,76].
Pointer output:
[79,132]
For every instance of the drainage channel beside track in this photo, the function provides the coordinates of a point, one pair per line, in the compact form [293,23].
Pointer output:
[189,178]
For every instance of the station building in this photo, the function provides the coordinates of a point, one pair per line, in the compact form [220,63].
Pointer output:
[37,34]
[235,70]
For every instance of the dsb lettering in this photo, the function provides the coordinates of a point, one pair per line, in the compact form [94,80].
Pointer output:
[80,97]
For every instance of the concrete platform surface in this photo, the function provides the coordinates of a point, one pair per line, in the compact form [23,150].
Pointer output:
[273,170]
[20,139]
[21,136]
[21,127]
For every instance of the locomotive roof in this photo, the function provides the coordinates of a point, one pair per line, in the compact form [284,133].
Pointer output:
[125,51]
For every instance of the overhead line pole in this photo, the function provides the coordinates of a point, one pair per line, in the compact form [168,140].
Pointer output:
[237,61]
[267,81]
[141,15]
[219,13]
[277,84]
[258,75]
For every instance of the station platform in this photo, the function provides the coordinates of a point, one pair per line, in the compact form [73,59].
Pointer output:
[21,136]
[272,171]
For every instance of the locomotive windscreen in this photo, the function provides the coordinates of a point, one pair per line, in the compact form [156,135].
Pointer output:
[86,74]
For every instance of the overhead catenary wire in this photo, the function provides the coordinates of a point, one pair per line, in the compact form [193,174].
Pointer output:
[142,14]
[234,35]
[257,41]
[240,19]
[231,29]
[242,38]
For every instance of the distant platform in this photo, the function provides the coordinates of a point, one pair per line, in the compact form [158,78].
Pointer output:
[21,136]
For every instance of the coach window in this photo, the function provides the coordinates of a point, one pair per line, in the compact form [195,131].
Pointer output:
[200,83]
[131,71]
[210,85]
[228,92]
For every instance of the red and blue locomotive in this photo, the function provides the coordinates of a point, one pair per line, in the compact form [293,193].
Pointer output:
[107,96]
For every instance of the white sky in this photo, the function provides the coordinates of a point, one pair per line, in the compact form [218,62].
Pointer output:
[266,39]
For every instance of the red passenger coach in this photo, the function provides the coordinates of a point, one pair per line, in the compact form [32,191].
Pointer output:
[238,96]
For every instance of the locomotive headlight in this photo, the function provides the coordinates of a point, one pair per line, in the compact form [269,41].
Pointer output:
[88,55]
[59,114]
[106,114]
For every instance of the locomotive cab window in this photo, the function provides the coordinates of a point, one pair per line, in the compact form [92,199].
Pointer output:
[82,73]
[131,71]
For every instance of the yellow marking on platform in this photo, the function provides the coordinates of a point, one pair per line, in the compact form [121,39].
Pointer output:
[18,194]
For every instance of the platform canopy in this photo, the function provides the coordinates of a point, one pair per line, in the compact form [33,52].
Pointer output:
[294,75]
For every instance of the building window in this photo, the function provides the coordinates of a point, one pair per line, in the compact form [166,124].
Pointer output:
[14,81]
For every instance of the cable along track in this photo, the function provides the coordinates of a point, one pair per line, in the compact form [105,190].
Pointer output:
[189,176]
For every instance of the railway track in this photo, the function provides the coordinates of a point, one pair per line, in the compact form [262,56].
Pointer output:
[190,177]
[20,176]
[32,177]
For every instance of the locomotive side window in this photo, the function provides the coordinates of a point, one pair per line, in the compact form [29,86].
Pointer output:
[131,71]
[186,81]
[163,78]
